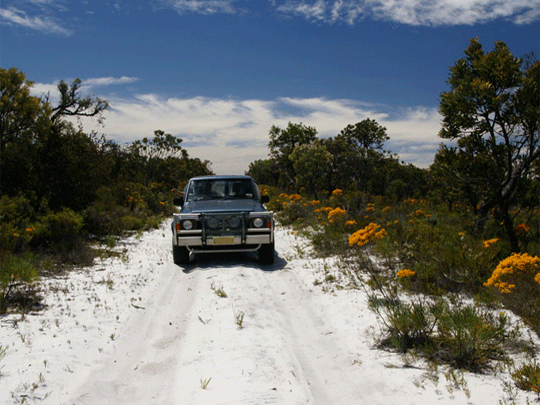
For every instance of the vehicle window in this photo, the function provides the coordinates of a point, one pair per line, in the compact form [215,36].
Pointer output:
[220,189]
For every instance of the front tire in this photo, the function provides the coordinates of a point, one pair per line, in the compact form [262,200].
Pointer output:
[180,255]
[266,253]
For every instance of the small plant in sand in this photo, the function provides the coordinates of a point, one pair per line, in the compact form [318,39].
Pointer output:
[220,292]
[239,318]
[205,382]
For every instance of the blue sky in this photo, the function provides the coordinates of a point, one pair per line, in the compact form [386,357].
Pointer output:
[220,73]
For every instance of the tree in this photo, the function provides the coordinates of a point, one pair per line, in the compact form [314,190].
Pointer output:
[151,153]
[364,135]
[365,140]
[311,163]
[282,143]
[23,118]
[493,109]
[73,105]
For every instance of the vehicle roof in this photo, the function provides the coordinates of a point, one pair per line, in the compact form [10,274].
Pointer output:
[223,177]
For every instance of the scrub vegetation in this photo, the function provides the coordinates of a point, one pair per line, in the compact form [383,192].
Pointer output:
[450,254]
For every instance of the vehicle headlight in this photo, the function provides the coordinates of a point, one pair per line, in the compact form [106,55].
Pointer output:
[187,225]
[234,222]
[258,222]
[213,223]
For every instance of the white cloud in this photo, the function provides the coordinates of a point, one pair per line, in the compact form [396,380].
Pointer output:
[107,81]
[414,12]
[232,133]
[14,16]
[199,6]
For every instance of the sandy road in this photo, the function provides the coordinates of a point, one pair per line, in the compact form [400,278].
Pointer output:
[139,330]
[267,342]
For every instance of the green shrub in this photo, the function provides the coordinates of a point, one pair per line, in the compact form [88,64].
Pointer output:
[464,337]
[527,377]
[469,338]
[408,325]
[63,227]
[15,270]
[15,216]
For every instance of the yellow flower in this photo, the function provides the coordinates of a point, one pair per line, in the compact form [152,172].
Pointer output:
[537,278]
[406,273]
[351,222]
[510,269]
[295,197]
[336,214]
[315,202]
[386,209]
[488,243]
[521,229]
[367,234]
[337,192]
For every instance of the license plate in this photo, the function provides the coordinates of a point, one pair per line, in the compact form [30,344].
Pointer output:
[223,240]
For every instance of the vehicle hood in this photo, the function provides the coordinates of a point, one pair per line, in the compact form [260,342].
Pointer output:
[206,206]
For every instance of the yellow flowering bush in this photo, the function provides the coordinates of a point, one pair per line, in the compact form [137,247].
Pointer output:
[367,234]
[417,214]
[405,273]
[521,229]
[337,192]
[336,214]
[490,242]
[510,270]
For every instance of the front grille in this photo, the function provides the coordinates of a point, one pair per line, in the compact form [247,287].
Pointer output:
[224,224]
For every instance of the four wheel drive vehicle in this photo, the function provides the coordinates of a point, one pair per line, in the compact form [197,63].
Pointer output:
[222,214]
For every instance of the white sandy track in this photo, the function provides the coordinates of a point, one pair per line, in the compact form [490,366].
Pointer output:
[282,354]
[144,331]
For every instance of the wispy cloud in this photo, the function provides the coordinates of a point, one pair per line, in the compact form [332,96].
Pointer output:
[42,23]
[107,81]
[232,133]
[413,12]
[199,6]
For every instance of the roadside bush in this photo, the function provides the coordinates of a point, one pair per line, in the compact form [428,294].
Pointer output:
[408,325]
[527,377]
[464,337]
[516,279]
[15,217]
[14,271]
[469,338]
[58,228]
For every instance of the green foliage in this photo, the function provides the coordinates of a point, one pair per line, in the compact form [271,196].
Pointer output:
[527,377]
[13,271]
[462,336]
[469,338]
[309,161]
[282,144]
[408,325]
[493,110]
[62,227]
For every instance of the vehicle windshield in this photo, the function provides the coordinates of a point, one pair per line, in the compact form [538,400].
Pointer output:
[209,189]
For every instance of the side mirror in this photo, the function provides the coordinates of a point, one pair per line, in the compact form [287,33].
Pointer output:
[265,198]
[178,201]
